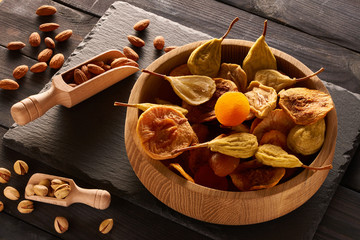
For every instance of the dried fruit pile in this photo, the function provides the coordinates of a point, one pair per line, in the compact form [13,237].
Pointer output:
[240,127]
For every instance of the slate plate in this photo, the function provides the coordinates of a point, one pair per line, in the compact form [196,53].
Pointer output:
[87,140]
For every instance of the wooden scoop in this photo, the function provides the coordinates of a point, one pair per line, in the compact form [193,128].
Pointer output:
[95,198]
[61,93]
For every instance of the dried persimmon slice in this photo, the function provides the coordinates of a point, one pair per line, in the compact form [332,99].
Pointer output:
[205,176]
[162,129]
[274,137]
[181,70]
[180,169]
[305,106]
[222,164]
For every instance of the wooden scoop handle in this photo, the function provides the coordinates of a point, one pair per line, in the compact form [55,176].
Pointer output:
[96,198]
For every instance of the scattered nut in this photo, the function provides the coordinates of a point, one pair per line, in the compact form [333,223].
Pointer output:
[62,191]
[29,190]
[141,25]
[21,167]
[34,39]
[15,45]
[45,55]
[118,62]
[8,84]
[49,42]
[20,71]
[41,190]
[11,193]
[106,225]
[57,61]
[159,42]
[4,173]
[25,206]
[61,224]
[1,206]
[130,53]
[48,27]
[169,48]
[136,41]
[38,67]
[64,35]
[46,10]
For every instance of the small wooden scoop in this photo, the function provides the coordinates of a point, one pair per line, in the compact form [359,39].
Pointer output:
[95,198]
[61,93]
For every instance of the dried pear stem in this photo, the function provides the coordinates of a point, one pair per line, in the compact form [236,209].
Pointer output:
[312,75]
[326,167]
[200,145]
[120,104]
[265,27]
[231,25]
[153,73]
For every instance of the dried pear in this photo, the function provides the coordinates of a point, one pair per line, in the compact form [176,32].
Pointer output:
[162,129]
[145,106]
[206,59]
[193,89]
[307,139]
[262,99]
[259,57]
[305,106]
[277,80]
[235,73]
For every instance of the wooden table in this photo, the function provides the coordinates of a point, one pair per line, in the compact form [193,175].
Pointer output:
[329,37]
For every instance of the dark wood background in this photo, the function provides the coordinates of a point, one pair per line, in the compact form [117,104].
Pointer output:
[318,33]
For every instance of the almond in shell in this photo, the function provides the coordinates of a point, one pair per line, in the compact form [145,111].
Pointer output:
[45,55]
[141,25]
[64,35]
[16,45]
[130,53]
[38,67]
[48,27]
[136,41]
[20,71]
[34,39]
[46,10]
[57,61]
[8,84]
[49,42]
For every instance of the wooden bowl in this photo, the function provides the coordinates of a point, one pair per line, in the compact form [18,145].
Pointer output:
[210,205]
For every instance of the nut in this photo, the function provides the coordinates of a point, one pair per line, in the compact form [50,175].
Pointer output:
[141,25]
[1,206]
[169,48]
[46,10]
[49,42]
[41,190]
[21,167]
[106,225]
[4,173]
[118,62]
[106,67]
[57,61]
[64,35]
[62,191]
[45,55]
[136,41]
[29,190]
[11,193]
[85,70]
[61,224]
[56,182]
[98,63]
[15,45]
[130,53]
[48,27]
[159,42]
[20,71]
[34,39]
[45,182]
[25,206]
[79,76]
[95,69]
[8,84]
[38,67]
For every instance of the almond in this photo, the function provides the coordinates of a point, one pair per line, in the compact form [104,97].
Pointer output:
[20,71]
[159,42]
[95,69]
[98,63]
[38,67]
[15,45]
[130,53]
[8,84]
[57,61]
[106,67]
[118,62]
[45,55]
[64,35]
[34,39]
[136,41]
[49,42]
[169,48]
[141,25]
[46,10]
[85,70]
[48,27]
[79,76]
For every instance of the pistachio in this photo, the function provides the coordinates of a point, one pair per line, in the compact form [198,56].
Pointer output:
[1,206]
[45,182]
[4,175]
[11,193]
[106,225]
[51,193]
[29,190]
[41,190]
[62,191]
[25,206]
[61,224]
[56,182]
[21,167]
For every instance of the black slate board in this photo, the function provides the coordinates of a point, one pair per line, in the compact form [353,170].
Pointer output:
[87,140]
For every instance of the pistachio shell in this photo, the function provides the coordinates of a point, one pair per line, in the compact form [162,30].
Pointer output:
[61,224]
[41,190]
[11,193]
[106,226]
[4,175]
[25,206]
[21,167]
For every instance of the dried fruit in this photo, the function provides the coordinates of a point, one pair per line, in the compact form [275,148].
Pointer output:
[193,89]
[64,35]
[45,55]
[206,59]
[122,61]
[46,10]
[178,167]
[106,226]
[8,84]
[181,70]
[274,137]
[4,175]
[57,61]
[259,57]
[34,39]
[25,206]
[130,53]
[79,76]
[159,42]
[16,45]
[48,27]
[145,106]
[11,193]
[38,67]
[21,167]
[136,41]
[235,73]
[20,71]
[222,164]
[141,25]
[49,42]
[205,176]
[61,224]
